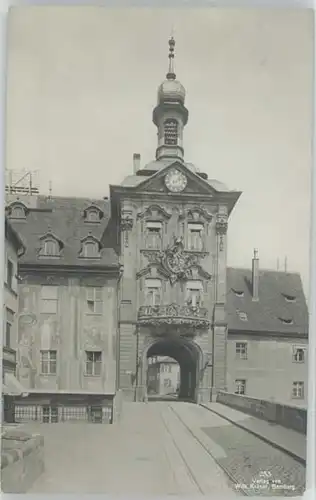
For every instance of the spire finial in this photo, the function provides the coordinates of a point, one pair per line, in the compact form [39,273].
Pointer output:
[171,74]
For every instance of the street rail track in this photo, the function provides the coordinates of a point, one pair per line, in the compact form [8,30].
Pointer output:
[232,479]
[224,469]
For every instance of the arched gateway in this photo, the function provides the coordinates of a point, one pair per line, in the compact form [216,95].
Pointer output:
[189,357]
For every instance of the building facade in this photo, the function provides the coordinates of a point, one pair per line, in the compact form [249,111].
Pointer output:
[267,348]
[66,342]
[14,249]
[108,284]
[163,376]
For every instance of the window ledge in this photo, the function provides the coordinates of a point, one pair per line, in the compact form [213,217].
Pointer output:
[98,257]
[48,374]
[299,362]
[94,314]
[92,376]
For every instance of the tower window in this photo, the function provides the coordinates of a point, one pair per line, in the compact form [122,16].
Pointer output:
[194,293]
[171,132]
[153,235]
[153,292]
[195,238]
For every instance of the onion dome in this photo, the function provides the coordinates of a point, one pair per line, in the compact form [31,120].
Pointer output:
[171,89]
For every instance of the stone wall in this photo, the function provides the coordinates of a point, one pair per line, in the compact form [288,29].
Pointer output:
[22,460]
[288,416]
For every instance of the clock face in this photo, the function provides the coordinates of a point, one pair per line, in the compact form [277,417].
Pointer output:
[175,181]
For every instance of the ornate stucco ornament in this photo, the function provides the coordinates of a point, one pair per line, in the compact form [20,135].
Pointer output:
[175,261]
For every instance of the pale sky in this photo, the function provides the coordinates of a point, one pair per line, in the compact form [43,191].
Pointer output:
[82,83]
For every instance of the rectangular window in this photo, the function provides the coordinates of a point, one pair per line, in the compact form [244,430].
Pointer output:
[298,390]
[93,363]
[167,382]
[10,272]
[94,296]
[195,236]
[50,414]
[194,293]
[299,354]
[48,362]
[153,292]
[153,235]
[8,328]
[240,386]
[49,299]
[241,350]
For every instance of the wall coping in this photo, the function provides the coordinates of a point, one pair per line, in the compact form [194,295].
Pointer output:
[272,402]
[28,444]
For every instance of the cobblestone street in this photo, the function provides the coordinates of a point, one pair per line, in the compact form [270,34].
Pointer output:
[149,452]
[164,448]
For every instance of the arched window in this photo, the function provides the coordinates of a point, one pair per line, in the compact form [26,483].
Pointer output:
[51,247]
[93,215]
[17,211]
[90,249]
[171,132]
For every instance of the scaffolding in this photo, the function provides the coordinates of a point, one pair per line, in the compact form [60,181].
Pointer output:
[22,182]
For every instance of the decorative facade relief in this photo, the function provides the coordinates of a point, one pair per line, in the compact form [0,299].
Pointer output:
[154,212]
[126,225]
[221,229]
[195,214]
[175,263]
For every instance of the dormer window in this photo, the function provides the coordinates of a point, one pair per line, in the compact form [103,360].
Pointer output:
[171,132]
[51,246]
[287,321]
[17,210]
[90,248]
[289,298]
[242,316]
[93,214]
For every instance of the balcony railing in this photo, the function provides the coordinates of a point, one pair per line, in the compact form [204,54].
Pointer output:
[174,316]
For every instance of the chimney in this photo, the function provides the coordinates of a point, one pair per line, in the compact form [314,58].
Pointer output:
[255,275]
[136,162]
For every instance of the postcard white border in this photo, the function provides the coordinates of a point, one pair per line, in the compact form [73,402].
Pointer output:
[310,492]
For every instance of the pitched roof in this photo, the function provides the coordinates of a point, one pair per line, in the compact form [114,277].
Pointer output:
[64,218]
[14,237]
[281,297]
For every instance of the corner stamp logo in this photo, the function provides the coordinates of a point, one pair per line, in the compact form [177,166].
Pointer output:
[265,482]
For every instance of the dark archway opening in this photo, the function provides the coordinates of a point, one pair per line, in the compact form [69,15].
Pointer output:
[186,354]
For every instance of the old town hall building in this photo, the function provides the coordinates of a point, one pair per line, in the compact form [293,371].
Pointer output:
[107,284]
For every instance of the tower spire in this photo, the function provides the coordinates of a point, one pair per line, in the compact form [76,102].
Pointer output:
[171,74]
